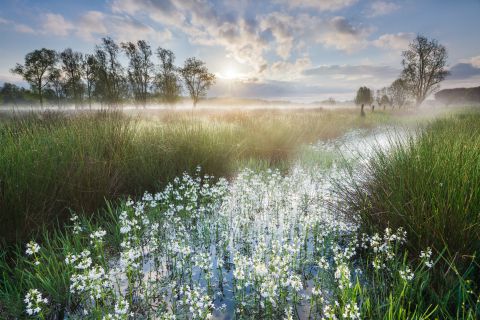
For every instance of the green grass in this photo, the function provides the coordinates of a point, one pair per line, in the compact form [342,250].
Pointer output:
[52,162]
[428,184]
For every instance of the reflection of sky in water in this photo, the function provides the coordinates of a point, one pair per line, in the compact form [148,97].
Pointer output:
[262,210]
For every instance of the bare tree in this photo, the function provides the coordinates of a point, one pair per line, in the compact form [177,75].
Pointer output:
[424,67]
[398,92]
[37,68]
[167,80]
[139,69]
[72,67]
[197,78]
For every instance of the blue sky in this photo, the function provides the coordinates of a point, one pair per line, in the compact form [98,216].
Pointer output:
[302,50]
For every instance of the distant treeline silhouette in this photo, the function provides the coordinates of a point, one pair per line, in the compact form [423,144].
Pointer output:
[82,79]
[458,96]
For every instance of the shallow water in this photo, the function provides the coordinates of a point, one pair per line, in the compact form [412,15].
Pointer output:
[264,219]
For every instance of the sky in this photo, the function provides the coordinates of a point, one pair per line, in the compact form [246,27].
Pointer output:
[297,50]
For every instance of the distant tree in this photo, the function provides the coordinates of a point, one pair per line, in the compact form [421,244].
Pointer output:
[398,92]
[382,98]
[331,101]
[13,94]
[197,78]
[140,68]
[56,84]
[167,81]
[424,67]
[109,82]
[364,96]
[36,70]
[72,67]
[89,73]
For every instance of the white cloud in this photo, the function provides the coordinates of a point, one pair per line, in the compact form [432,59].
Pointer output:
[380,8]
[95,24]
[55,24]
[340,34]
[285,70]
[18,27]
[397,41]
[320,5]
[474,61]
[353,72]
[204,26]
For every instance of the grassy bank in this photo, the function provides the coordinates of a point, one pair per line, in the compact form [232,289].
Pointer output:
[51,162]
[428,184]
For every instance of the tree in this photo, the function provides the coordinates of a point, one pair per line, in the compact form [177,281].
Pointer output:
[39,64]
[364,96]
[89,67]
[167,80]
[11,93]
[139,69]
[56,83]
[424,66]
[109,82]
[382,98]
[197,78]
[398,92]
[72,67]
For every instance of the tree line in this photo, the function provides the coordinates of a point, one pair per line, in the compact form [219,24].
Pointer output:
[424,67]
[82,79]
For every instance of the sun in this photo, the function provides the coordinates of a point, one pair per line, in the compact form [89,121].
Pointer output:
[230,73]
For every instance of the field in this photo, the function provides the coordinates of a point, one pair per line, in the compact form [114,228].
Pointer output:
[260,214]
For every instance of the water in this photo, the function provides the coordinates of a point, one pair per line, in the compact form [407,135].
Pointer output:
[260,246]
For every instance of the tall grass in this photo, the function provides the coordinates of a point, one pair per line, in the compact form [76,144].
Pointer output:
[53,162]
[428,184]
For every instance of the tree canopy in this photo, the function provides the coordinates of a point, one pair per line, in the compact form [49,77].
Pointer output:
[424,67]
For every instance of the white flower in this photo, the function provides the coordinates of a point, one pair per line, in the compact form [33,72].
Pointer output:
[406,274]
[32,248]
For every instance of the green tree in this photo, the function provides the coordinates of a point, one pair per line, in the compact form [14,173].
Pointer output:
[89,73]
[72,67]
[109,81]
[36,70]
[424,67]
[197,78]
[364,96]
[167,81]
[140,69]
[398,92]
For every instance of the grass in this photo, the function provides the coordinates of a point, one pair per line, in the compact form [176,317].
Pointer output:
[379,274]
[428,184]
[53,162]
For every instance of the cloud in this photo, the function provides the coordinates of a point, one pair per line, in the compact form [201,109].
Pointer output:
[474,61]
[353,72]
[95,24]
[463,70]
[341,34]
[397,41]
[380,8]
[55,24]
[203,25]
[286,70]
[18,27]
[320,5]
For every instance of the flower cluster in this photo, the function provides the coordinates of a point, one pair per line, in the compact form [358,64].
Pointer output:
[35,302]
